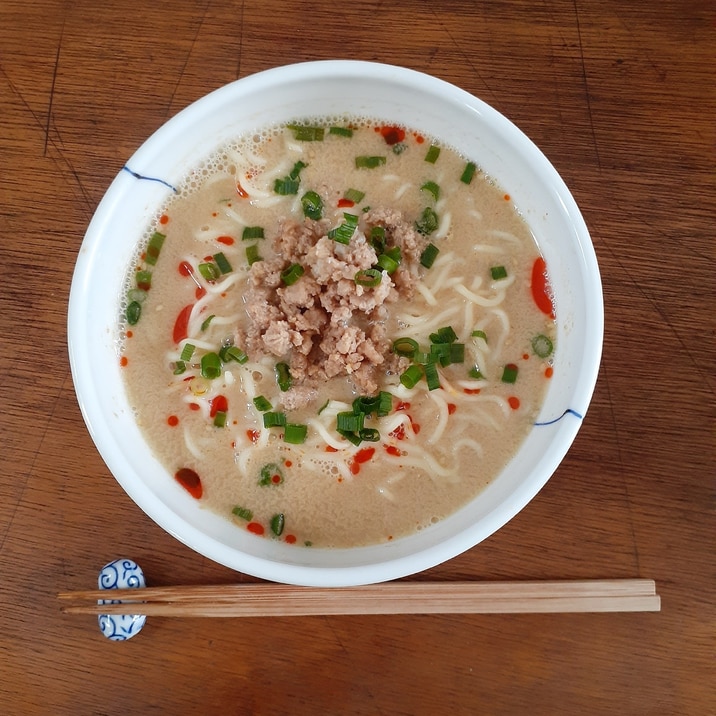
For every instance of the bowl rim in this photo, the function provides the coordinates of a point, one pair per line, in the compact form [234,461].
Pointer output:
[334,575]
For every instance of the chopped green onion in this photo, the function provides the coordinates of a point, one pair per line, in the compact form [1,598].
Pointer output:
[262,403]
[352,437]
[387,263]
[498,272]
[274,419]
[371,435]
[179,367]
[187,351]
[364,404]
[286,186]
[432,154]
[368,162]
[432,188]
[468,173]
[509,373]
[304,133]
[354,195]
[394,253]
[210,366]
[209,271]
[297,168]
[271,474]
[385,404]
[428,222]
[423,358]
[277,523]
[252,254]
[243,513]
[220,419]
[399,148]
[349,422]
[283,376]
[431,376]
[440,352]
[430,253]
[223,263]
[475,373]
[312,205]
[377,239]
[479,334]
[411,376]
[154,247]
[380,404]
[368,277]
[207,321]
[144,280]
[405,347]
[446,334]
[136,294]
[377,242]
[291,274]
[133,312]
[457,352]
[228,353]
[324,406]
[295,433]
[341,131]
[343,233]
[542,346]
[252,232]
[289,185]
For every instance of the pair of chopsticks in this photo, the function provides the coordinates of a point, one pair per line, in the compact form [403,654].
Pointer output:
[258,600]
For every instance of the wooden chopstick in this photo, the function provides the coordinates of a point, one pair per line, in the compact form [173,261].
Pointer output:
[253,600]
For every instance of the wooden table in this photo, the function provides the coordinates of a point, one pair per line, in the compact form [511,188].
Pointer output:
[620,96]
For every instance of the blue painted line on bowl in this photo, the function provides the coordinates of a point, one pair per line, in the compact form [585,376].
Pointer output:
[136,175]
[568,411]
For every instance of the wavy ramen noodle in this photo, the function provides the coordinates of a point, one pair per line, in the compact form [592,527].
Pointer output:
[336,333]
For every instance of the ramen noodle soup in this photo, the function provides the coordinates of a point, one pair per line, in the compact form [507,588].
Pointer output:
[336,333]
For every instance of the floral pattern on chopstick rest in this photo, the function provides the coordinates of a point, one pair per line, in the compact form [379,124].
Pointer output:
[120,574]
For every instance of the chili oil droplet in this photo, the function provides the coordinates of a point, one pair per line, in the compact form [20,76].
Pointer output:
[190,481]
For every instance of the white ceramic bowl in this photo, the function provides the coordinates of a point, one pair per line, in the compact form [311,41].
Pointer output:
[399,96]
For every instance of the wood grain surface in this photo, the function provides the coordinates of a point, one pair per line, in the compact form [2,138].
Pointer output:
[620,96]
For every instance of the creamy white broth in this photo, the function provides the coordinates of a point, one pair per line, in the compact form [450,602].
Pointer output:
[437,448]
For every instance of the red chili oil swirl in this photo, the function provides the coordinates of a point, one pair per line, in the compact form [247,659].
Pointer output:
[541,290]
[392,135]
[181,325]
[219,404]
[190,481]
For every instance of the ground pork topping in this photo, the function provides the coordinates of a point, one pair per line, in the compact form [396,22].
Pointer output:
[325,324]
